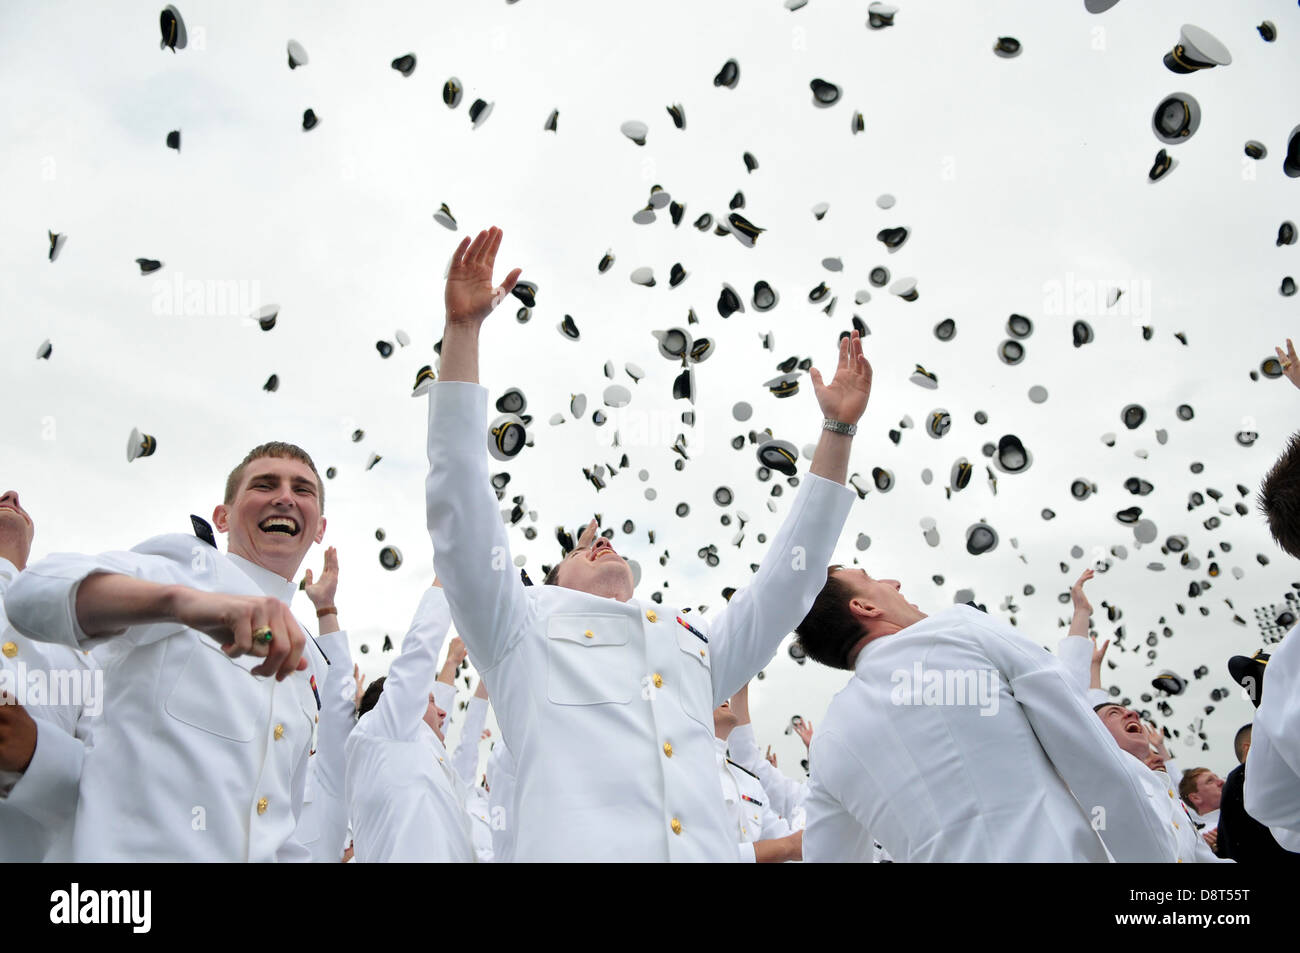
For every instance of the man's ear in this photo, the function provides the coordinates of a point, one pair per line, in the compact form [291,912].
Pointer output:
[221,518]
[863,611]
[320,532]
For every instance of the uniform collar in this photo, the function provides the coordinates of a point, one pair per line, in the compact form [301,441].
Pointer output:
[270,583]
[8,571]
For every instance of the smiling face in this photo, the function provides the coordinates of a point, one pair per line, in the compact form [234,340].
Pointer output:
[1208,793]
[275,515]
[598,570]
[16,530]
[1125,726]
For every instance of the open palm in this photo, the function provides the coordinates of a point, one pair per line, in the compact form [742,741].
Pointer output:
[470,296]
[845,397]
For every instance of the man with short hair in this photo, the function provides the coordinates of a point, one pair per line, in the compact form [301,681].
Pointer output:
[762,835]
[958,739]
[604,699]
[42,743]
[1241,835]
[212,685]
[1201,790]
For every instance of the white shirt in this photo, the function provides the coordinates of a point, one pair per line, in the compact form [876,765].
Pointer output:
[195,759]
[405,801]
[323,827]
[608,705]
[501,801]
[752,818]
[1162,795]
[992,776]
[37,805]
[1273,780]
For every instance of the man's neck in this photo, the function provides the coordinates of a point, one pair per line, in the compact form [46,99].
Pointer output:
[14,553]
[284,568]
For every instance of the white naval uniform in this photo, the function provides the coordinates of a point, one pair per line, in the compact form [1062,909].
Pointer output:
[607,705]
[501,801]
[464,762]
[786,795]
[954,782]
[1162,795]
[1272,792]
[480,822]
[37,805]
[405,801]
[323,827]
[752,818]
[194,759]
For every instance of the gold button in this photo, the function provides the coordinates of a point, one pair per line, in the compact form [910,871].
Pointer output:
[1175,825]
[651,615]
[658,680]
[10,649]
[1180,860]
[1170,793]
[676,826]
[262,804]
[279,732]
[589,634]
[668,749]
[701,653]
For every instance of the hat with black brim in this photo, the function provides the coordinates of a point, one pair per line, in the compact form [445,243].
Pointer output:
[139,445]
[779,455]
[172,26]
[1196,50]
[1248,672]
[1176,119]
[506,437]
[424,379]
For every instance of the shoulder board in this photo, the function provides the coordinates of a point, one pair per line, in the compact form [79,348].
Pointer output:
[203,531]
[746,770]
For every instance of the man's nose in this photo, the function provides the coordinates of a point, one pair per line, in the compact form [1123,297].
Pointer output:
[11,497]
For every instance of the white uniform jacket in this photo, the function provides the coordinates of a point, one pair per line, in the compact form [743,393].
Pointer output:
[194,758]
[1273,781]
[37,805]
[752,818]
[607,705]
[501,801]
[958,739]
[405,801]
[1162,794]
[323,827]
[787,796]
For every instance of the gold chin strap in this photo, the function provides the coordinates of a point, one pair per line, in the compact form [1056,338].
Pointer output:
[1177,54]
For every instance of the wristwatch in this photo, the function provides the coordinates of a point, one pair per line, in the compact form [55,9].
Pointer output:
[836,426]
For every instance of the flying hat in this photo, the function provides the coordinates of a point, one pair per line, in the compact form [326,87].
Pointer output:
[746,232]
[512,402]
[384,348]
[506,436]
[569,328]
[1249,674]
[1011,455]
[644,276]
[616,395]
[765,297]
[1169,682]
[1081,332]
[58,240]
[938,423]
[1161,167]
[1038,394]
[880,15]
[820,209]
[833,264]
[452,92]
[297,55]
[946,329]
[174,140]
[701,350]
[1286,234]
[892,238]
[1255,149]
[139,445]
[479,111]
[677,275]
[729,302]
[1176,119]
[405,64]
[981,538]
[924,378]
[883,478]
[1268,31]
[673,343]
[1081,489]
[374,458]
[272,384]
[905,288]
[174,36]
[1291,164]
[704,222]
[1287,288]
[1133,415]
[390,557]
[960,474]
[1196,50]
[779,455]
[684,385]
[148,265]
[45,350]
[678,115]
[266,316]
[824,93]
[309,120]
[1019,327]
[729,75]
[552,122]
[1011,352]
[1007,47]
[444,217]
[857,124]
[1138,486]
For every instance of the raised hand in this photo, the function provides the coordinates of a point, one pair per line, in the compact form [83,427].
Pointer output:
[1290,363]
[1099,653]
[845,397]
[456,652]
[804,730]
[587,536]
[1081,603]
[360,681]
[321,592]
[469,295]
[771,756]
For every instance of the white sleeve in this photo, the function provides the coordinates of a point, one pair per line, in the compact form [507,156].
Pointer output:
[470,550]
[337,717]
[464,761]
[834,834]
[1079,746]
[1075,653]
[1272,792]
[405,696]
[746,633]
[47,791]
[784,793]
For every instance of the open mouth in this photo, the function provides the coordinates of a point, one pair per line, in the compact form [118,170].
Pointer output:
[1133,728]
[283,525]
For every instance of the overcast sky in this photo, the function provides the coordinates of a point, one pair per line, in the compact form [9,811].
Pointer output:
[1023,182]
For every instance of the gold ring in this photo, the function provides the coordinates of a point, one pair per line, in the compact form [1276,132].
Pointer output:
[262,634]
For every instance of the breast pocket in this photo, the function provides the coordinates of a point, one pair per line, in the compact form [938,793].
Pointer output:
[591,660]
[213,693]
[695,675]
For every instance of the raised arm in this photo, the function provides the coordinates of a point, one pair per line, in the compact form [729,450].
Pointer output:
[748,631]
[405,697]
[471,551]
[785,794]
[464,761]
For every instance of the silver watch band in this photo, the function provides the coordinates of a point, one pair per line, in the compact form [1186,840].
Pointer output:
[836,426]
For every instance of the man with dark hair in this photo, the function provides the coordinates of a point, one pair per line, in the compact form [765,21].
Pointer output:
[205,756]
[407,804]
[606,700]
[958,739]
[1241,836]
